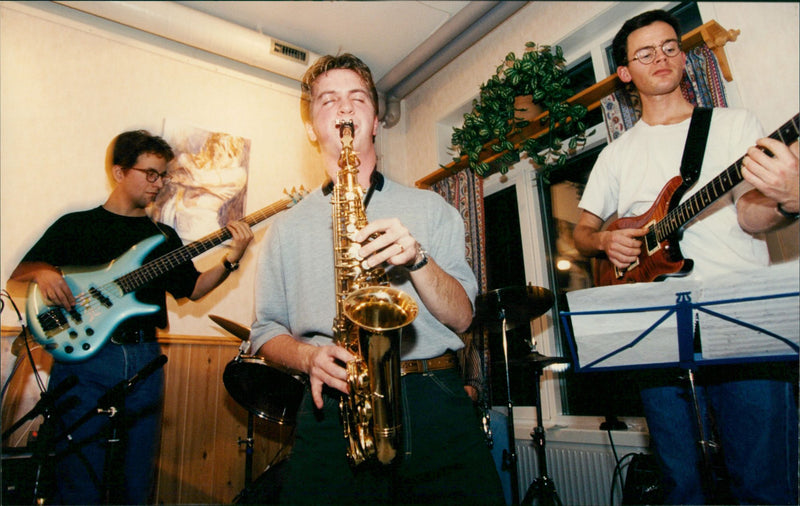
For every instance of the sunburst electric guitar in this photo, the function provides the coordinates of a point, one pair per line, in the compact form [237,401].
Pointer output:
[661,255]
[105,295]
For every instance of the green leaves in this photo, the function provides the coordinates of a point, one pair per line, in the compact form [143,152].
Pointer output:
[539,72]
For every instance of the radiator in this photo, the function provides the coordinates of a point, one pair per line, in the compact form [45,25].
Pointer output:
[581,474]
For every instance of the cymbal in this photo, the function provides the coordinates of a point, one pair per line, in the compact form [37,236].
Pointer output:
[538,360]
[234,328]
[518,304]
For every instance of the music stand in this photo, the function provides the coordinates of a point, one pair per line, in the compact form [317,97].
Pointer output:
[506,308]
[677,315]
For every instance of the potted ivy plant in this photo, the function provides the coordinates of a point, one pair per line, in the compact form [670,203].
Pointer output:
[495,119]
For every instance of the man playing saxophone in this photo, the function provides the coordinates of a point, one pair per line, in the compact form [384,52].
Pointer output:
[418,239]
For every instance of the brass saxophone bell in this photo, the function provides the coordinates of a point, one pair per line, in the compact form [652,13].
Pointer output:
[380,308]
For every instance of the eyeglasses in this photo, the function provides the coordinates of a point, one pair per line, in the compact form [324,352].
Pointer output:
[647,55]
[152,175]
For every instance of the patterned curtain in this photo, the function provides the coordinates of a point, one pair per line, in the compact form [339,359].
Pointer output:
[701,85]
[464,191]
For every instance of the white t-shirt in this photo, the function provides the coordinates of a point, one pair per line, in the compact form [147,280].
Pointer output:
[631,172]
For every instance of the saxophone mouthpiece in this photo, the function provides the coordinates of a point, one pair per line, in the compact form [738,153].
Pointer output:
[345,125]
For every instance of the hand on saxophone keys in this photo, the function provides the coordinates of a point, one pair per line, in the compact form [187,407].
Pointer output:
[325,367]
[394,244]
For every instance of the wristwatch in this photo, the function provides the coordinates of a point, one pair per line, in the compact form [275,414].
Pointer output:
[422,263]
[229,266]
[787,214]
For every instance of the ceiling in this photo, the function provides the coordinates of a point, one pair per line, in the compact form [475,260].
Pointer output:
[403,42]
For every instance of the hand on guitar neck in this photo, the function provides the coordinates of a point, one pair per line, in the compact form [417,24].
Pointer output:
[776,176]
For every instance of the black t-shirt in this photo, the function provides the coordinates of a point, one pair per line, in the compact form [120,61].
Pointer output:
[97,236]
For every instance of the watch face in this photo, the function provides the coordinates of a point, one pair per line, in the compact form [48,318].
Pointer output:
[422,263]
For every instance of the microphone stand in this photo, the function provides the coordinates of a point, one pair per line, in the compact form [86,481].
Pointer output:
[43,446]
[112,404]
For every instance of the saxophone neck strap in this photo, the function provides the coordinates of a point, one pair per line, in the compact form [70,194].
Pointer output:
[375,183]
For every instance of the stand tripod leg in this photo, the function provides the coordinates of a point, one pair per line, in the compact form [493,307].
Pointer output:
[542,490]
[714,483]
[510,455]
[248,459]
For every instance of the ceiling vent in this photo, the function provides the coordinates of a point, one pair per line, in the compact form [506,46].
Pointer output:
[202,31]
[289,52]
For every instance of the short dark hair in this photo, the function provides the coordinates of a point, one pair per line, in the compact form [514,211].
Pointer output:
[345,61]
[129,145]
[619,46]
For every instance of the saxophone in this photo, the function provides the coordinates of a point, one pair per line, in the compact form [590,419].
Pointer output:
[368,323]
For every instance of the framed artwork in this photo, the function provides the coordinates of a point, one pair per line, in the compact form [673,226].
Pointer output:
[209,181]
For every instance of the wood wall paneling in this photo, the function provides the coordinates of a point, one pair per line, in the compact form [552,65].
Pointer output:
[200,460]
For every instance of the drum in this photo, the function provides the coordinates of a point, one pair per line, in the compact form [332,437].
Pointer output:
[264,389]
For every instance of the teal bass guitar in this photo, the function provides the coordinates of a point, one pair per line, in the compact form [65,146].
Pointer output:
[105,295]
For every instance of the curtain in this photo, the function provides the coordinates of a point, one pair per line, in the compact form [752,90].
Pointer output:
[701,86]
[464,191]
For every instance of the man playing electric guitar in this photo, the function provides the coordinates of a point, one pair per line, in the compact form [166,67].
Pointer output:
[95,237]
[754,407]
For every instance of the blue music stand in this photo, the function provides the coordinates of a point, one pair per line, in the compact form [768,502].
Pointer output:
[780,315]
[770,318]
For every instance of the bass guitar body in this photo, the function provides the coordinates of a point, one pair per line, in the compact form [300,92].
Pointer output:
[660,257]
[101,305]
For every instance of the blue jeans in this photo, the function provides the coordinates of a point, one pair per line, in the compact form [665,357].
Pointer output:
[756,422]
[80,463]
[446,459]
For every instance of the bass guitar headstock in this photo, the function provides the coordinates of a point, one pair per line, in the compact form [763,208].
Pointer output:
[295,195]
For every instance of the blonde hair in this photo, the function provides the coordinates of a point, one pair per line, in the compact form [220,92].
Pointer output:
[344,61]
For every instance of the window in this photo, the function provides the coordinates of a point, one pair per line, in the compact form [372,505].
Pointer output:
[514,258]
[602,394]
[689,17]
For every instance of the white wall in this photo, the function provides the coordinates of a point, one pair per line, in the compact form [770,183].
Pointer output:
[70,82]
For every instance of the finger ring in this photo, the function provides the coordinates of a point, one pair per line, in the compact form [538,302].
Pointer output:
[401,247]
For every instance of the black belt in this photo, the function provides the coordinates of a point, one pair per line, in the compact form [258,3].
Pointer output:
[446,361]
[133,336]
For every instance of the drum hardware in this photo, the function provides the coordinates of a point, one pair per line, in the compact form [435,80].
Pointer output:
[542,491]
[503,309]
[268,390]
[264,389]
[234,328]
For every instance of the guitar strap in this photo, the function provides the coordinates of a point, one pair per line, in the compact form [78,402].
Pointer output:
[695,146]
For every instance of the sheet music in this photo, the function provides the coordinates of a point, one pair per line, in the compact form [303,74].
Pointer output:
[723,339]
[597,335]
[614,340]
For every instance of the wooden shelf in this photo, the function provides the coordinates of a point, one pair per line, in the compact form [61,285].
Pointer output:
[714,36]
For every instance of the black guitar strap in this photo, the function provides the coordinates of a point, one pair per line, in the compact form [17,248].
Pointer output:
[695,146]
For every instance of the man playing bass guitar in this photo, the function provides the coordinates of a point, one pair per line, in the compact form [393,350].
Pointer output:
[95,237]
[754,406]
